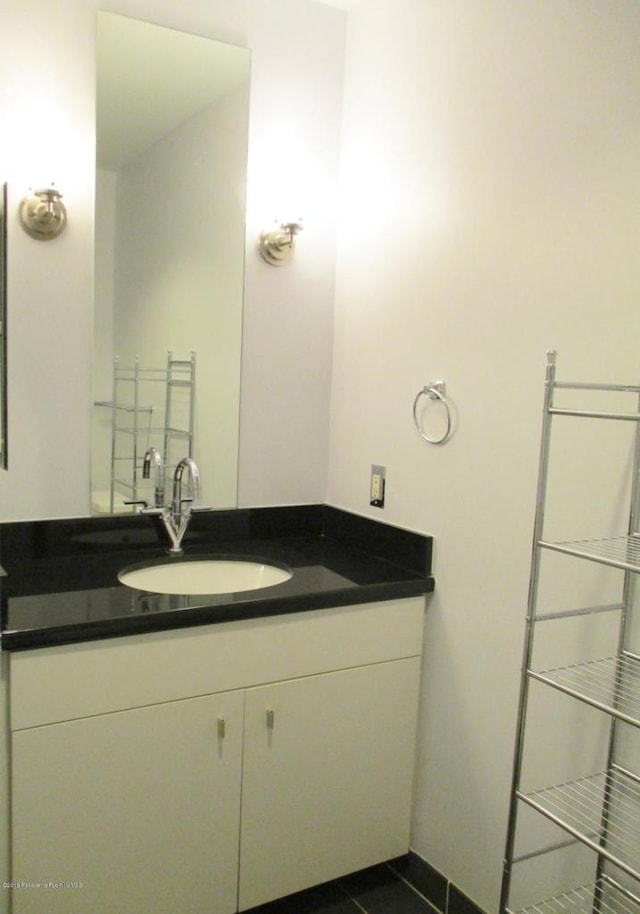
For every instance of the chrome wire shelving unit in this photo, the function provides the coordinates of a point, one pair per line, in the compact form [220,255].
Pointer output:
[150,407]
[599,812]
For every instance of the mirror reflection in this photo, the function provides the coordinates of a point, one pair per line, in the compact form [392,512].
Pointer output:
[171,134]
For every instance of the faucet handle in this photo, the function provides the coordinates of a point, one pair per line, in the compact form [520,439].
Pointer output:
[187,502]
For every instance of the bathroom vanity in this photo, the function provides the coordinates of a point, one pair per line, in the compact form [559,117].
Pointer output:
[225,760]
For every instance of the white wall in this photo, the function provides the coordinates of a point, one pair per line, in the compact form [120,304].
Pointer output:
[490,199]
[46,120]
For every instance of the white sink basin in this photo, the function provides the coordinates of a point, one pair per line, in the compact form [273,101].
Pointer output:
[203,576]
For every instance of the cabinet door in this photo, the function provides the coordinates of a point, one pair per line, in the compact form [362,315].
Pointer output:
[140,807]
[327,776]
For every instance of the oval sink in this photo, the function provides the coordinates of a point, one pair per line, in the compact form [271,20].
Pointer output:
[202,576]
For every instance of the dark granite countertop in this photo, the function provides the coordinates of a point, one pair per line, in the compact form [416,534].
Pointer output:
[60,584]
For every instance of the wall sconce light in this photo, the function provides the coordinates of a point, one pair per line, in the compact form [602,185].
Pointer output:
[43,215]
[277,245]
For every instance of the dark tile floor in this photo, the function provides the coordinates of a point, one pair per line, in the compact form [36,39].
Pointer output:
[378,890]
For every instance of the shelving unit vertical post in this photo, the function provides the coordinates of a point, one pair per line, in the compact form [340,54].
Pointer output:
[179,422]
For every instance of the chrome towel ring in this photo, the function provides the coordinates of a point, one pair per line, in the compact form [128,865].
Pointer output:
[435,391]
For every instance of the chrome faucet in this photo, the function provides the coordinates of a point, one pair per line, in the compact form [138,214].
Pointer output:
[153,454]
[177,505]
[175,517]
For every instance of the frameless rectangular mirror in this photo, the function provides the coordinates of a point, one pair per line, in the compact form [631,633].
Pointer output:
[3,328]
[171,133]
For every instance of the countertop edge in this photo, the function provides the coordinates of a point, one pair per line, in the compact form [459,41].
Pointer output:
[13,640]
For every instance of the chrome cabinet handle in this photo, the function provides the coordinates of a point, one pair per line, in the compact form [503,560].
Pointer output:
[222,728]
[270,719]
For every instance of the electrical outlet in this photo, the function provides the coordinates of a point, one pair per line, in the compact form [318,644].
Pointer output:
[377,486]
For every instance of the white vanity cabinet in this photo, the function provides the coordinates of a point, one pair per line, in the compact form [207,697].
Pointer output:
[212,769]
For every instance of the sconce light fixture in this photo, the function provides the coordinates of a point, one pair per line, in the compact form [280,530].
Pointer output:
[277,245]
[43,215]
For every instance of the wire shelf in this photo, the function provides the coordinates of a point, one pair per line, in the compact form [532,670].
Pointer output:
[577,806]
[611,684]
[126,409]
[604,896]
[619,551]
